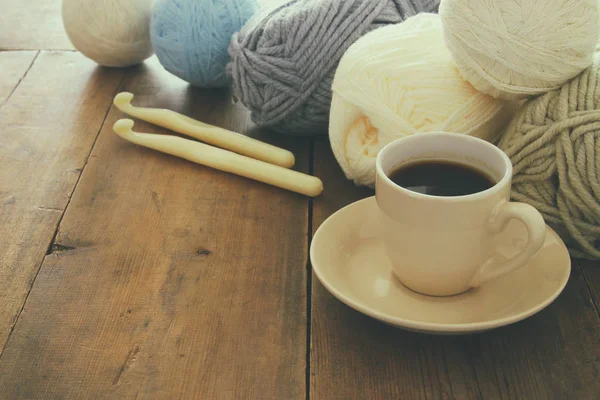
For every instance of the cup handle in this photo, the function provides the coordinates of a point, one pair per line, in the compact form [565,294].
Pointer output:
[536,229]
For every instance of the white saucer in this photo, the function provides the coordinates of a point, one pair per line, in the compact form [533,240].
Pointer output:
[348,258]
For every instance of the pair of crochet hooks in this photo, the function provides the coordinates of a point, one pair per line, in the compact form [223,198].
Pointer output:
[239,154]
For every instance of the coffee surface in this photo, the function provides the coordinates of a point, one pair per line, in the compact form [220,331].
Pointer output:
[441,178]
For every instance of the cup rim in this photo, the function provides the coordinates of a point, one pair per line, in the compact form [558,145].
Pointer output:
[455,136]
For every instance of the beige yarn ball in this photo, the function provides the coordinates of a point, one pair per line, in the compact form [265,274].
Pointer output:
[113,33]
[554,145]
[400,80]
[513,49]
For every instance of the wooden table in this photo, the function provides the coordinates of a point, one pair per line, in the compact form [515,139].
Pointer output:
[126,273]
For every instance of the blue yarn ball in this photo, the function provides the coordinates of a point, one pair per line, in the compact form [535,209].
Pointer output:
[191,37]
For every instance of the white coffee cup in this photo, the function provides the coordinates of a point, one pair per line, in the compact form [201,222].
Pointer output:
[443,246]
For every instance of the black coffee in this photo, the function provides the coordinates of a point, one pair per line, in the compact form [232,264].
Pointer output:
[441,178]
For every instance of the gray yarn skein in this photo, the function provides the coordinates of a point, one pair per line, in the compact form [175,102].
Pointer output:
[284,59]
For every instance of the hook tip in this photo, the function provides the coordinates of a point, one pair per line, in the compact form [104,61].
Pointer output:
[123,126]
[123,99]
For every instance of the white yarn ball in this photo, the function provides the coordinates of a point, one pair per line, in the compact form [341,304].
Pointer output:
[400,80]
[113,33]
[517,48]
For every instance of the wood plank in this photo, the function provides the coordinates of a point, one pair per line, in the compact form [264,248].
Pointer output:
[48,127]
[179,281]
[35,25]
[591,272]
[552,355]
[13,66]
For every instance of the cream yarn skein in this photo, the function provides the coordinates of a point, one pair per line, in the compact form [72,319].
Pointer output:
[113,33]
[513,49]
[400,80]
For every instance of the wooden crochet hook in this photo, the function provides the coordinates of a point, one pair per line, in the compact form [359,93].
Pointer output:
[207,133]
[222,160]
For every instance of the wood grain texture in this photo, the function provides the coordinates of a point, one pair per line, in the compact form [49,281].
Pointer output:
[13,66]
[32,25]
[552,355]
[591,272]
[175,280]
[48,127]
